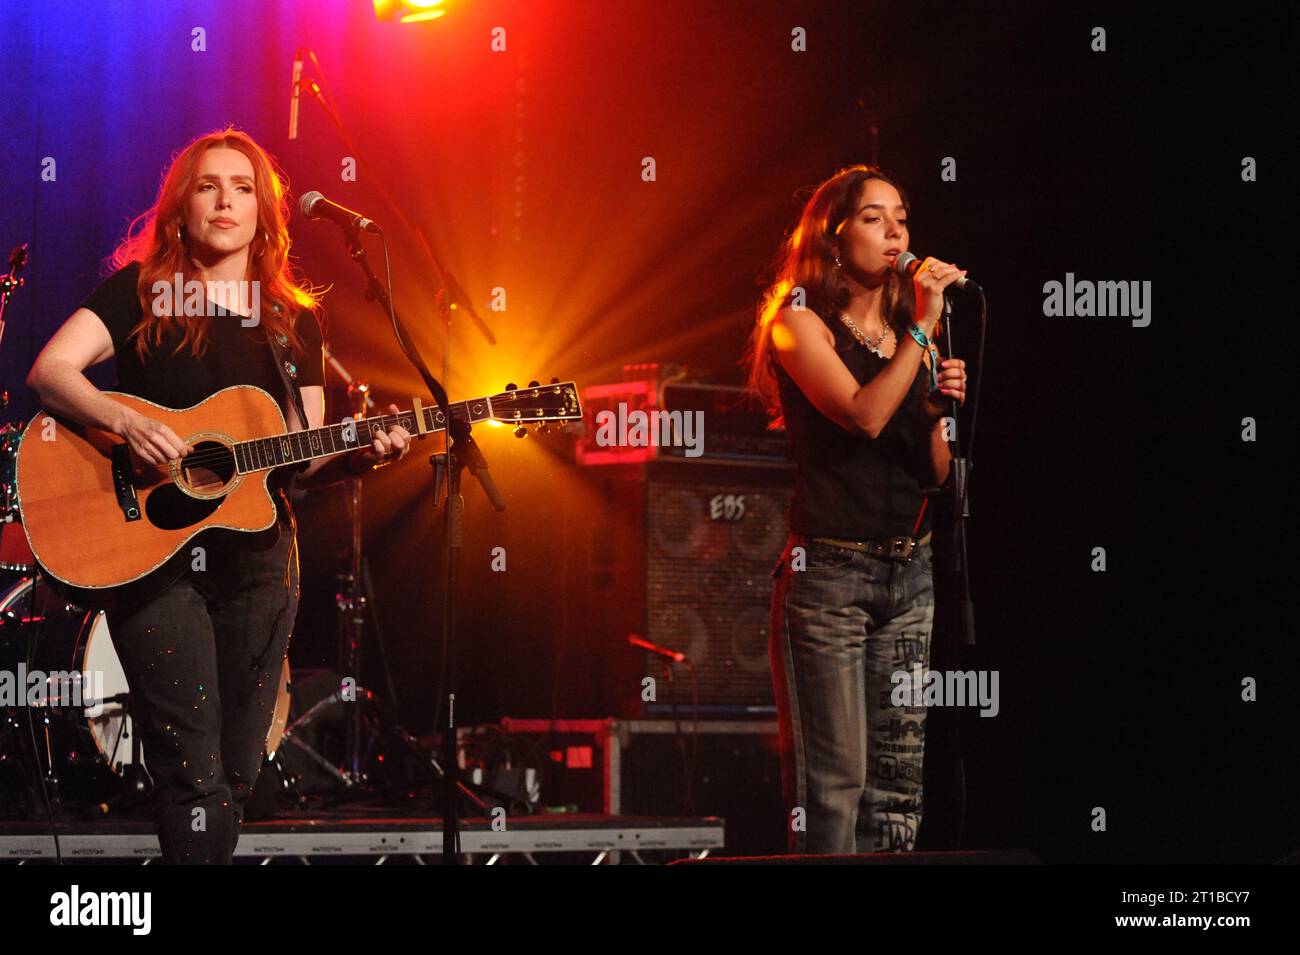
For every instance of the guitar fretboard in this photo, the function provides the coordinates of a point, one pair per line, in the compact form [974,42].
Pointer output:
[260,454]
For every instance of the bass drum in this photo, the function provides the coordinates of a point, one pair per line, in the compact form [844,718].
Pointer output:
[92,741]
[84,747]
[280,719]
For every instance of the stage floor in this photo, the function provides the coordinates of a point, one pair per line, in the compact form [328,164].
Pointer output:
[374,839]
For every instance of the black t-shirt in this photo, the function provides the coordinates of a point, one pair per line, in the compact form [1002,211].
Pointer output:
[236,354]
[851,487]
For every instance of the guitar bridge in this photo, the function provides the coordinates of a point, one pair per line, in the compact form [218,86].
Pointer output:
[123,486]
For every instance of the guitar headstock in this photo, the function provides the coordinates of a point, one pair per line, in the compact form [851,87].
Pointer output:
[537,404]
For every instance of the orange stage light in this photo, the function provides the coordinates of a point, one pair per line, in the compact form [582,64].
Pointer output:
[408,11]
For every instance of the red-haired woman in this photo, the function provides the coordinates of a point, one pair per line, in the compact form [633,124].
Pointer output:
[842,352]
[203,655]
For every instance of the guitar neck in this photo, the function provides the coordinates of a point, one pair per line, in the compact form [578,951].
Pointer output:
[273,451]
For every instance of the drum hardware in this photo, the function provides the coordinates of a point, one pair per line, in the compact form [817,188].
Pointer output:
[365,715]
[78,755]
[136,787]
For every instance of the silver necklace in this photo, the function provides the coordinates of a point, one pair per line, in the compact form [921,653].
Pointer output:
[872,344]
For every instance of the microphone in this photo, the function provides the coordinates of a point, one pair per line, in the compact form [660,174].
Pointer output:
[293,96]
[315,206]
[675,655]
[905,263]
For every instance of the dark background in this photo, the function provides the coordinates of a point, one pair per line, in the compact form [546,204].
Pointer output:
[1120,690]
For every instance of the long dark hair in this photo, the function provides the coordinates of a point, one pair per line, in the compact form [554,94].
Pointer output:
[806,261]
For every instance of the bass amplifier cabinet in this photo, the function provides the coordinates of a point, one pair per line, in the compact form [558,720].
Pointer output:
[680,554]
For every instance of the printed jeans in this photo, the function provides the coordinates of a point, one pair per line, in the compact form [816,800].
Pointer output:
[850,759]
[203,662]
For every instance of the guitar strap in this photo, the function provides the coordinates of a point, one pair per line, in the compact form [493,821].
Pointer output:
[287,365]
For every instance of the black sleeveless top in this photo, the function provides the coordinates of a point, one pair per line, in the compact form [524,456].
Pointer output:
[850,486]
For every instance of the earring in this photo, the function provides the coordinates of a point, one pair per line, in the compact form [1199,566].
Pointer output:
[837,260]
[179,238]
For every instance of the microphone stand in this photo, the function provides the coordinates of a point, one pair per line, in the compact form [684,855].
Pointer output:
[351,604]
[359,391]
[955,488]
[461,451]
[955,491]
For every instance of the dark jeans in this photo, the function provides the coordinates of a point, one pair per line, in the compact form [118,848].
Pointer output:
[203,662]
[850,759]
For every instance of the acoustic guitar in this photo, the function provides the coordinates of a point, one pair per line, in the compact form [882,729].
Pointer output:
[98,518]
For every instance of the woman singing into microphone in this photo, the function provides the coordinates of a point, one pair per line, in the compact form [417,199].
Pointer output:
[843,352]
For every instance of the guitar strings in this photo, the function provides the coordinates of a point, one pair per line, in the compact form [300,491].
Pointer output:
[214,456]
[211,457]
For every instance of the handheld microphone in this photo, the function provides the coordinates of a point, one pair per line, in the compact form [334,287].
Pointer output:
[293,96]
[315,206]
[905,263]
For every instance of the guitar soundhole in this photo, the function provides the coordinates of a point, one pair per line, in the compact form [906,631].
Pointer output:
[171,509]
[208,468]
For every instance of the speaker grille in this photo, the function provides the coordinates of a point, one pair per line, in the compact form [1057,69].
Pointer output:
[711,546]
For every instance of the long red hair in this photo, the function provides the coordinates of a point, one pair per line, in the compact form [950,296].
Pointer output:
[154,240]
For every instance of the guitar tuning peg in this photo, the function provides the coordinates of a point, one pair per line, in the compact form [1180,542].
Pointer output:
[520,431]
[532,384]
[543,430]
[511,386]
[554,380]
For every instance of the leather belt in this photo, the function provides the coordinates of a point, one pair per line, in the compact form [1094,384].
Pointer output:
[892,548]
